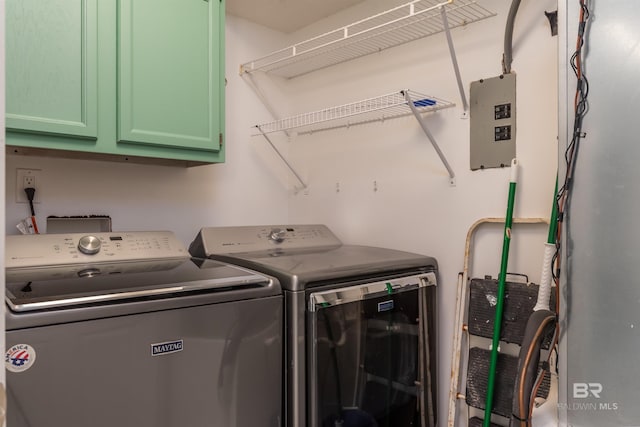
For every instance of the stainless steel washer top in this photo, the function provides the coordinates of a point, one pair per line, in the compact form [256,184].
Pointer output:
[301,255]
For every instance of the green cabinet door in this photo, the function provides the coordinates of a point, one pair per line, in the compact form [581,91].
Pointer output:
[51,67]
[170,73]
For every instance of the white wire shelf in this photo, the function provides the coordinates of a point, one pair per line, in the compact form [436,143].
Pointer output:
[402,24]
[369,110]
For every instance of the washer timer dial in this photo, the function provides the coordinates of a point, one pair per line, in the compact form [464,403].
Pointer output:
[89,245]
[277,235]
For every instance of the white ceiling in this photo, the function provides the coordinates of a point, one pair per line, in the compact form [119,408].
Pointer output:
[286,15]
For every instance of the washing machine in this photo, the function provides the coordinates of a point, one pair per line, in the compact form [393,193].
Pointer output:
[125,329]
[360,323]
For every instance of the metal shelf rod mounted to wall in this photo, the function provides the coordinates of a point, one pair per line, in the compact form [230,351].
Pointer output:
[454,60]
[284,159]
[427,132]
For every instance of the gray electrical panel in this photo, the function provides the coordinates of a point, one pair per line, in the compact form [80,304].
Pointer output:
[493,122]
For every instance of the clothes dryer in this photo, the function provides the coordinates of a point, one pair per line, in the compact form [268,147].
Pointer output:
[360,323]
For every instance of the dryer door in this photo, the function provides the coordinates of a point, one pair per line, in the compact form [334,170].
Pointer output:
[372,355]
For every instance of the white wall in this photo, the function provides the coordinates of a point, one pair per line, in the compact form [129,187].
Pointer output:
[414,208]
[244,190]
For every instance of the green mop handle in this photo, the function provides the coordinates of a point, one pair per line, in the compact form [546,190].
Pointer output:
[497,323]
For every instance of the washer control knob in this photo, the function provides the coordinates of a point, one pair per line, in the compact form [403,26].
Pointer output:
[89,245]
[277,235]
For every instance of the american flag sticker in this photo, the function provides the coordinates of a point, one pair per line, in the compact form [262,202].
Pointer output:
[19,358]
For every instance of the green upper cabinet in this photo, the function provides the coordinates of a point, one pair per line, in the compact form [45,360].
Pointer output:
[133,80]
[51,73]
[169,75]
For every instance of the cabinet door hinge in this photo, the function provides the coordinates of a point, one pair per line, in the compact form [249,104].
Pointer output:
[221,140]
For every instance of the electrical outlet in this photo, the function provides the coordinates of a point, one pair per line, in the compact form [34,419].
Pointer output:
[26,178]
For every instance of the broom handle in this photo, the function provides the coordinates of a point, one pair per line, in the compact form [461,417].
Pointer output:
[497,323]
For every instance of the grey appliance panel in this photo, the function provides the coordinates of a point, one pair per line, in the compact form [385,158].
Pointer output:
[101,373]
[298,269]
[601,321]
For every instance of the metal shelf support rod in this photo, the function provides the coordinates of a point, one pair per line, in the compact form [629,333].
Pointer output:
[454,59]
[256,89]
[424,127]
[286,162]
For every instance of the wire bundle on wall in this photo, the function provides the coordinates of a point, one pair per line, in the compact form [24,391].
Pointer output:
[524,400]
[580,110]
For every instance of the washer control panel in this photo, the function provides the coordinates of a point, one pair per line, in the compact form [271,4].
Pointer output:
[45,250]
[226,240]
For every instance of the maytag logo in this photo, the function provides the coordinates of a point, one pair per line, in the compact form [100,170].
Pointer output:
[168,347]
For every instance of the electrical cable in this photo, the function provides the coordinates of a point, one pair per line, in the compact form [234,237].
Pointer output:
[580,110]
[507,56]
[581,107]
[31,193]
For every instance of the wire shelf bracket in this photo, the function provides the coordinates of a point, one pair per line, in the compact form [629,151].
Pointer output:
[284,159]
[427,132]
[454,60]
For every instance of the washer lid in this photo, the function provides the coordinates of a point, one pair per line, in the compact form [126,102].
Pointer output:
[92,284]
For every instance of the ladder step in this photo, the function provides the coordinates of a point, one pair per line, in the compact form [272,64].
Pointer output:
[477,376]
[520,298]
